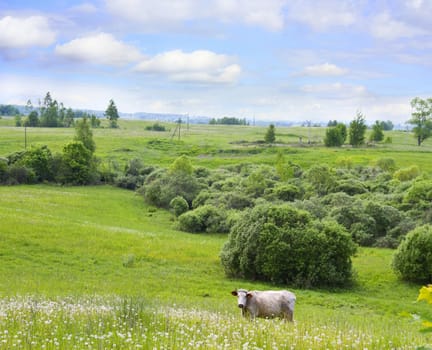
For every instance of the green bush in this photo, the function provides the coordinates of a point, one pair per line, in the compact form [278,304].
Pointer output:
[407,174]
[419,195]
[413,258]
[284,245]
[287,192]
[206,218]
[386,164]
[179,205]
[351,187]
[39,159]
[3,170]
[20,174]
[161,186]
[77,166]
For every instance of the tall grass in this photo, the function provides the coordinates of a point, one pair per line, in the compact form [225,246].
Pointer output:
[121,323]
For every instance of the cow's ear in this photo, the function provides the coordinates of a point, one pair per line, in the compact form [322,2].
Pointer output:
[249,295]
[234,292]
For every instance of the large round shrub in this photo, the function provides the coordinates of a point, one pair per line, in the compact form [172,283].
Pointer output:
[285,245]
[413,258]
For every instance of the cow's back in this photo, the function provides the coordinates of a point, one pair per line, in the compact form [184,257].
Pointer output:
[272,303]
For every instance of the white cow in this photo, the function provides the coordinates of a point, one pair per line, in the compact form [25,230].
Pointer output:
[266,303]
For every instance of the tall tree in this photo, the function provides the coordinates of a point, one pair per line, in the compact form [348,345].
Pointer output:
[49,112]
[111,114]
[421,118]
[84,134]
[377,133]
[357,130]
[270,135]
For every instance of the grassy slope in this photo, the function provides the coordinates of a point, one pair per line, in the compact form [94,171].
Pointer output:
[59,241]
[75,241]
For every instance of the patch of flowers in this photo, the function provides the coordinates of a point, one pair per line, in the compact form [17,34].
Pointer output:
[121,323]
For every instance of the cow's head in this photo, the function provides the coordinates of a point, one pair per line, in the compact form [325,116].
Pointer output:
[242,297]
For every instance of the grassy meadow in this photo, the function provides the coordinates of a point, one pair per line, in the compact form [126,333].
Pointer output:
[97,268]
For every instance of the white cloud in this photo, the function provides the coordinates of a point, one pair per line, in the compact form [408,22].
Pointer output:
[383,26]
[267,14]
[326,69]
[336,90]
[21,33]
[322,15]
[199,66]
[100,48]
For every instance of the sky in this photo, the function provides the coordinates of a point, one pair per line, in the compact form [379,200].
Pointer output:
[275,60]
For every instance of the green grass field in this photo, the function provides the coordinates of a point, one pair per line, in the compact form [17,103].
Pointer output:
[126,269]
[217,145]
[96,268]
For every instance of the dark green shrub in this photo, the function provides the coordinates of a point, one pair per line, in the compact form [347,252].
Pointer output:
[236,200]
[134,167]
[419,195]
[39,159]
[284,245]
[287,192]
[206,218]
[322,179]
[20,174]
[78,166]
[179,205]
[162,186]
[155,127]
[354,218]
[413,258]
[129,182]
[3,170]
[351,187]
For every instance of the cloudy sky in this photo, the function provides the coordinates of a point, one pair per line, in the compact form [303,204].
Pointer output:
[268,59]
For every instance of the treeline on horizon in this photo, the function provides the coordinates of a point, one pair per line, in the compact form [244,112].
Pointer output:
[53,114]
[228,121]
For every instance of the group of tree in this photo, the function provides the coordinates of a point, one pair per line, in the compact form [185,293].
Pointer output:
[75,165]
[421,119]
[8,110]
[51,113]
[228,121]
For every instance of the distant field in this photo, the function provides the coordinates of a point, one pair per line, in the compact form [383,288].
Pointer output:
[217,145]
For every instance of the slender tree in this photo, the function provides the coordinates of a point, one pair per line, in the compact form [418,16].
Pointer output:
[357,130]
[270,135]
[84,134]
[377,134]
[111,114]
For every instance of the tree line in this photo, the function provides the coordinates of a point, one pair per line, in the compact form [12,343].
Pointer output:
[228,121]
[53,114]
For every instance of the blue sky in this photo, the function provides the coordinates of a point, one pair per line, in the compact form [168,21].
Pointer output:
[287,60]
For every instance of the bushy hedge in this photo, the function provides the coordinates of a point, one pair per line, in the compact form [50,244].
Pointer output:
[206,218]
[413,259]
[285,245]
